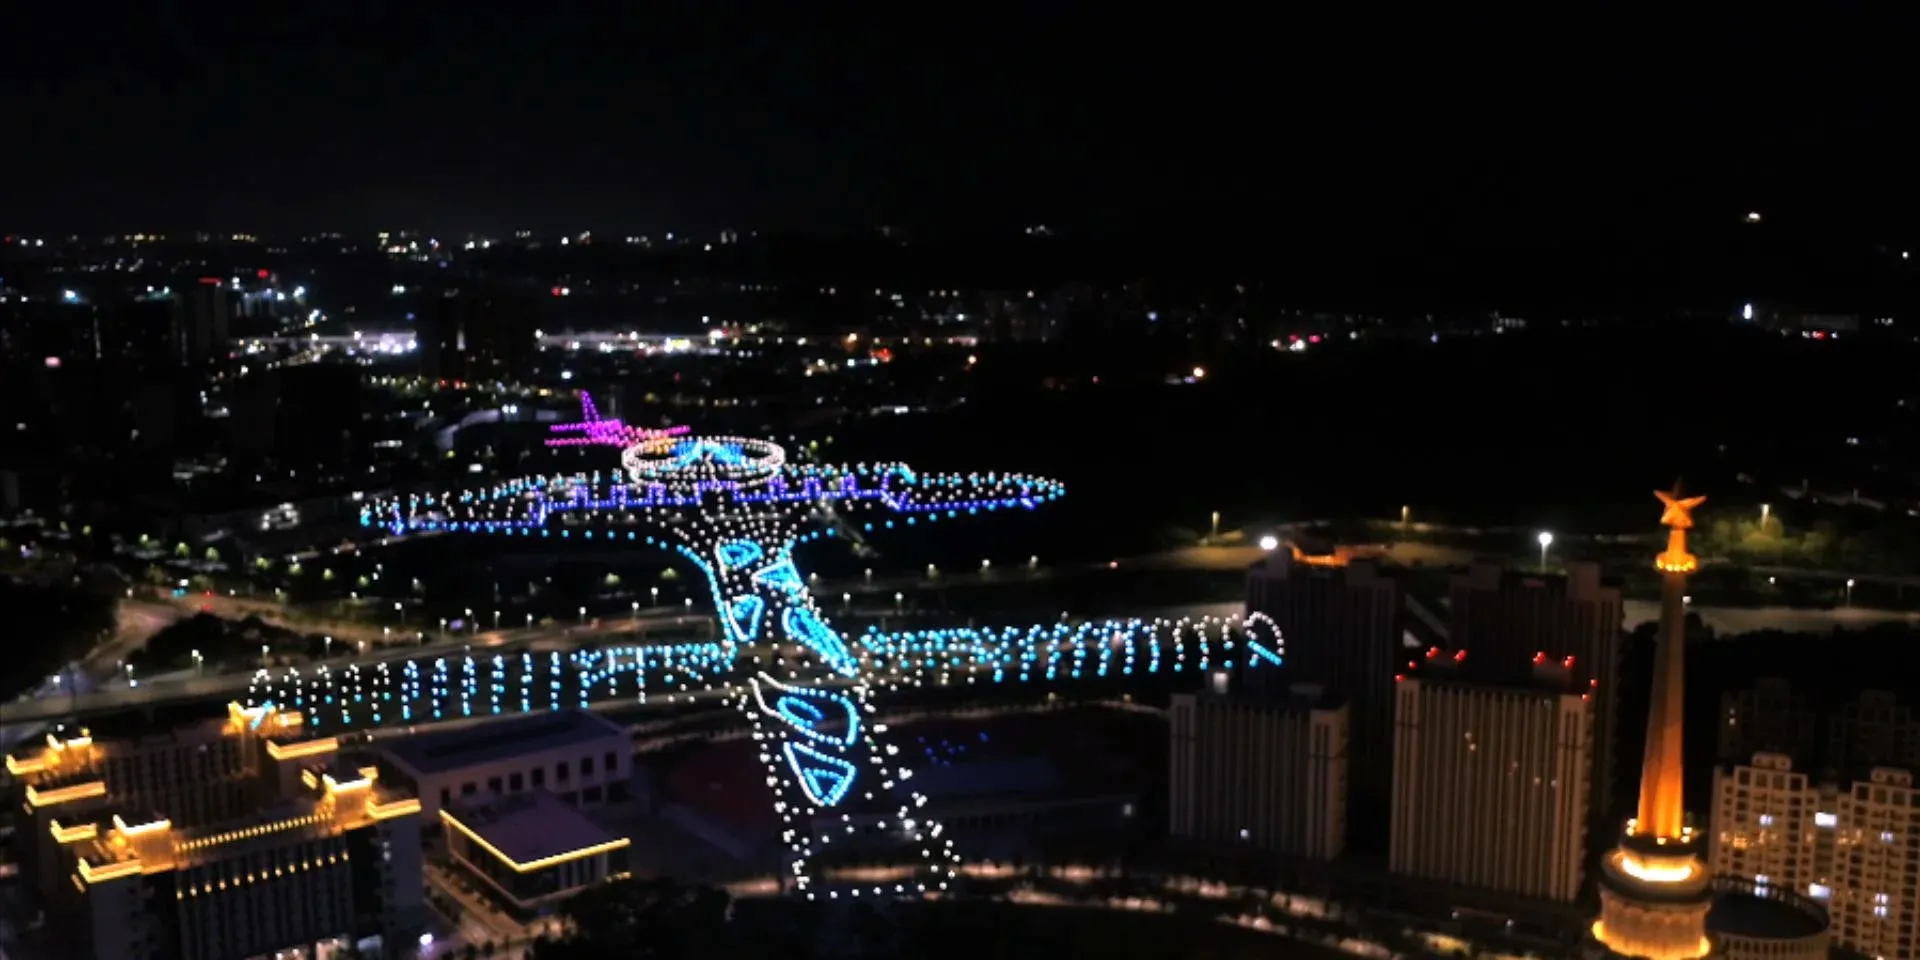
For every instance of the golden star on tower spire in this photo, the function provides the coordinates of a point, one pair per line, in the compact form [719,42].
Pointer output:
[1678,519]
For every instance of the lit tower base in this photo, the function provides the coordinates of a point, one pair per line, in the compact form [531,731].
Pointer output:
[1655,891]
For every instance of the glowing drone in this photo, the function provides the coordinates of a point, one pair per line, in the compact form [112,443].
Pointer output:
[734,507]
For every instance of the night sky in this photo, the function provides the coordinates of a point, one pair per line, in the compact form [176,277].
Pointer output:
[554,115]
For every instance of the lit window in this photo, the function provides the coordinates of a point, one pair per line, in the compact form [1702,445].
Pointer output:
[1819,891]
[1766,819]
[1828,820]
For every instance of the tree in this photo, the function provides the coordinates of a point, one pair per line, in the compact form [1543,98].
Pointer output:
[64,622]
[174,645]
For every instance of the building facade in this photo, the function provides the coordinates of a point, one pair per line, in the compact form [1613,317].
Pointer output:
[1854,847]
[1490,784]
[1265,772]
[580,757]
[330,856]
[1506,616]
[531,849]
[1341,618]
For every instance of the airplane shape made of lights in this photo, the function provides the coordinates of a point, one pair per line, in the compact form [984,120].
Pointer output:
[735,508]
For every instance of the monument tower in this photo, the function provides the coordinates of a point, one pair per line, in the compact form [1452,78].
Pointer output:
[1654,887]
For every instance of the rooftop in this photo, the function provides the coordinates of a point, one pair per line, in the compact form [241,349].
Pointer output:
[1742,913]
[440,751]
[528,829]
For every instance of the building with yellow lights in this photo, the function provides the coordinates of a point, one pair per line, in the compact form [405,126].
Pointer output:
[1658,897]
[328,855]
[531,849]
[1853,847]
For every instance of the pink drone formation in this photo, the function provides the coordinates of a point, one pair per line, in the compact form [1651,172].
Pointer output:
[595,432]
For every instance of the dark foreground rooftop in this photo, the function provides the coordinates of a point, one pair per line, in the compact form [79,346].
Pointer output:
[1743,912]
[440,751]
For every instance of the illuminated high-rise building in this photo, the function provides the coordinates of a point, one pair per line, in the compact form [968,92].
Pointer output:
[1342,619]
[1264,772]
[1490,778]
[1658,900]
[1506,616]
[324,857]
[1853,847]
[1655,891]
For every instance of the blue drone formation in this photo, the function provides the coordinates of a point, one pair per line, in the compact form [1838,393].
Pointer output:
[735,509]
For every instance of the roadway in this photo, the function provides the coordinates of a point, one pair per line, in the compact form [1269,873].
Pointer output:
[135,623]
[24,717]
[143,619]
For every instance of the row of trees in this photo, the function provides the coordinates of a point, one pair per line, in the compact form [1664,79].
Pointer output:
[1765,540]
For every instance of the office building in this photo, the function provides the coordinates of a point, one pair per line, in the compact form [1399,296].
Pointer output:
[1658,899]
[1341,619]
[1490,778]
[1507,616]
[531,849]
[581,757]
[1854,847]
[329,858]
[1261,772]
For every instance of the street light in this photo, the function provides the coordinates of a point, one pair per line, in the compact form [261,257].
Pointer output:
[1215,535]
[1849,591]
[1766,511]
[656,596]
[1269,543]
[1546,540]
[898,600]
[583,614]
[326,650]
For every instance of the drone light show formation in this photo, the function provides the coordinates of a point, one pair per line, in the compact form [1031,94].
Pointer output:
[736,509]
